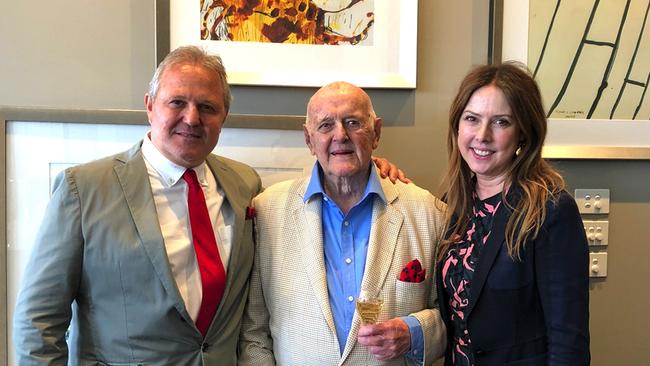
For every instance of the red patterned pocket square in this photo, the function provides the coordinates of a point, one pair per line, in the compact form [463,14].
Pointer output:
[250,213]
[413,272]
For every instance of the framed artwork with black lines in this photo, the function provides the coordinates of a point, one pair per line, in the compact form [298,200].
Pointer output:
[591,60]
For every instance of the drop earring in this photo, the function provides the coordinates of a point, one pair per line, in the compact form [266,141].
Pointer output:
[519,147]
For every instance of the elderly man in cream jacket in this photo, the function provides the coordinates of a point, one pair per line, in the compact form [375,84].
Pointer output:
[322,240]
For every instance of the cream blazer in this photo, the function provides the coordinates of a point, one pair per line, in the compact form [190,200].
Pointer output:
[288,320]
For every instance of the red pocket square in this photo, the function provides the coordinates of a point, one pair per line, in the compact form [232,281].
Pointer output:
[413,272]
[250,213]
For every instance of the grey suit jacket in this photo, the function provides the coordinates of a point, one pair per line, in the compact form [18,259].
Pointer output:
[100,249]
[288,319]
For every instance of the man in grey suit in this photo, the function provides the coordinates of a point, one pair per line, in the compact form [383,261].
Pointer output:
[322,240]
[115,258]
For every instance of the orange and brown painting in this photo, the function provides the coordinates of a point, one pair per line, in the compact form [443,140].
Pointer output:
[332,22]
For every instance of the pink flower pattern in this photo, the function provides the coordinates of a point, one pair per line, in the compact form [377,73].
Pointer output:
[457,273]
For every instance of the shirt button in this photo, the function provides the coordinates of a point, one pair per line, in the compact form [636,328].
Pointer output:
[348,260]
[346,223]
[326,199]
[350,298]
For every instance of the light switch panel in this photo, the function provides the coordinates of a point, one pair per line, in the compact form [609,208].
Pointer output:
[598,264]
[597,232]
[592,201]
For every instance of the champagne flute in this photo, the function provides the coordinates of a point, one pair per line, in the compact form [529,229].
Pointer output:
[369,306]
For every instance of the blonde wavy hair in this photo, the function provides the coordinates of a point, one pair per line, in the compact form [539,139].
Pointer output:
[538,181]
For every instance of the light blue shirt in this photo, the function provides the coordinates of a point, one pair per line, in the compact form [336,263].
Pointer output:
[345,240]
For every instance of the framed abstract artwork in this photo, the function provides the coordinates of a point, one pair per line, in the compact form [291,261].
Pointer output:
[591,60]
[371,43]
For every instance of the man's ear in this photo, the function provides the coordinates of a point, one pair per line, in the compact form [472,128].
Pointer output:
[307,138]
[148,105]
[377,129]
[148,102]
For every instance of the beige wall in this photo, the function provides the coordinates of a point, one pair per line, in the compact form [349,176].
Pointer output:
[92,54]
[76,53]
[446,33]
[619,318]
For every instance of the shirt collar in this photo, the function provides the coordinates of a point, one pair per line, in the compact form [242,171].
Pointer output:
[315,185]
[170,173]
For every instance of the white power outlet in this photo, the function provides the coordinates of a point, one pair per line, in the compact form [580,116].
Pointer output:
[592,201]
[597,264]
[597,232]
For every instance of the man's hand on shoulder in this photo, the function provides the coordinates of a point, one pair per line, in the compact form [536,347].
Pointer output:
[390,170]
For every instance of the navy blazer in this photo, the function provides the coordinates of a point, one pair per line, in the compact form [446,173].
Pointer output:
[533,311]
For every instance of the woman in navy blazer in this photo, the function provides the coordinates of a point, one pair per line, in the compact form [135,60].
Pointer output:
[512,276]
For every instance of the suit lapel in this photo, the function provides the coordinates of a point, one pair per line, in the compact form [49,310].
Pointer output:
[307,220]
[132,176]
[225,178]
[384,231]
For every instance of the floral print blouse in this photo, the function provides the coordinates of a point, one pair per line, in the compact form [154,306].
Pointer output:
[458,270]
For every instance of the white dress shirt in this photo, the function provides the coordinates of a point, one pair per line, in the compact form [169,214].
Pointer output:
[170,197]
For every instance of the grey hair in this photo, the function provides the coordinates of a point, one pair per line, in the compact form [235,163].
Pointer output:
[192,55]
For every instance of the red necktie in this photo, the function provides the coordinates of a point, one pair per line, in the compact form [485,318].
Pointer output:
[213,276]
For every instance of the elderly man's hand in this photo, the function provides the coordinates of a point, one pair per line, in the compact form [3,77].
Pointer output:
[386,340]
[390,170]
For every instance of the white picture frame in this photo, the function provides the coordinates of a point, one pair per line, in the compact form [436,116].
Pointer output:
[68,137]
[390,62]
[574,138]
